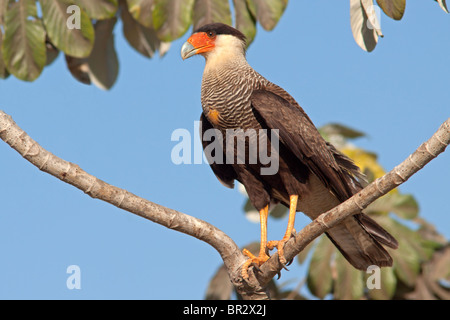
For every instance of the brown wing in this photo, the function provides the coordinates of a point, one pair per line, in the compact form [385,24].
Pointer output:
[224,172]
[338,173]
[300,136]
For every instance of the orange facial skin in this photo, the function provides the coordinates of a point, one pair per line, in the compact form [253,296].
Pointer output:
[198,43]
[202,42]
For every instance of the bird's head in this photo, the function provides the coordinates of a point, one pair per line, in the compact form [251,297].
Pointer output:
[215,39]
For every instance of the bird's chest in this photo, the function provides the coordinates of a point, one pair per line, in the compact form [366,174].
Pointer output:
[227,104]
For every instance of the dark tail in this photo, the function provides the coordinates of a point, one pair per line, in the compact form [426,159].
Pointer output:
[359,238]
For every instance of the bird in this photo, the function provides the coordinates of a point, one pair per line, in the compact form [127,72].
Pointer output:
[311,175]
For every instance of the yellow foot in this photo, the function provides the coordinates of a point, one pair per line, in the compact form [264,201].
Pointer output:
[280,246]
[253,260]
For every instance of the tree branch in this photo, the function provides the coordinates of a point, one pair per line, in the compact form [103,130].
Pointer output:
[416,161]
[72,174]
[233,259]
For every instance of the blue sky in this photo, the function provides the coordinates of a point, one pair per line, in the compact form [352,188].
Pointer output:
[399,95]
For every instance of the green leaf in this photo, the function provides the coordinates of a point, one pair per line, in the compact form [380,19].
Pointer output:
[349,284]
[99,9]
[209,11]
[403,205]
[250,212]
[341,130]
[141,38]
[172,18]
[3,72]
[141,10]
[301,257]
[71,32]
[52,53]
[245,21]
[319,278]
[103,63]
[24,42]
[410,253]
[3,8]
[388,283]
[267,12]
[393,8]
[406,263]
[79,69]
[278,211]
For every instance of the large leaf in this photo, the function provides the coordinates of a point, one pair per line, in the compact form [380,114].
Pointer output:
[437,273]
[79,69]
[209,11]
[267,12]
[393,8]
[99,9]
[245,20]
[141,38]
[301,257]
[349,284]
[103,63]
[172,18]
[278,211]
[24,42]
[409,255]
[52,52]
[403,205]
[319,278]
[365,24]
[250,212]
[3,72]
[102,66]
[141,10]
[76,40]
[3,8]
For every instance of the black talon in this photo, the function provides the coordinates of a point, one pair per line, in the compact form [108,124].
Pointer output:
[279,275]
[256,267]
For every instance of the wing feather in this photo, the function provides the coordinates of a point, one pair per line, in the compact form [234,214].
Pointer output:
[297,132]
[224,172]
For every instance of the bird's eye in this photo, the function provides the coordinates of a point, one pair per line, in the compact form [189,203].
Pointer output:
[211,34]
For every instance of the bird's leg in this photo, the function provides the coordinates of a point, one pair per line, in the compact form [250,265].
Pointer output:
[262,257]
[290,228]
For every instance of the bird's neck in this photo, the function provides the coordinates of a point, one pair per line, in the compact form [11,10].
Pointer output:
[225,59]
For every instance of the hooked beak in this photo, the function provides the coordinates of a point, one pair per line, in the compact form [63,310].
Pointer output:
[188,50]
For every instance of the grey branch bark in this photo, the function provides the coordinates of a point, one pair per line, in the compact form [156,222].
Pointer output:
[231,255]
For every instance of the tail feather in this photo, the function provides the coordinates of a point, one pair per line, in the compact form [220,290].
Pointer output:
[358,246]
[376,231]
[359,238]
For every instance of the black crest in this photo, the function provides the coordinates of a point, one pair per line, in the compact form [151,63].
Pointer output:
[221,28]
